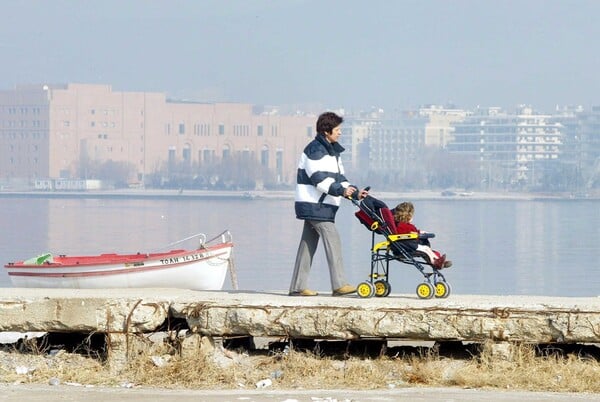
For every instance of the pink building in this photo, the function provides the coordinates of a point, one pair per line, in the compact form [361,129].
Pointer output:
[58,131]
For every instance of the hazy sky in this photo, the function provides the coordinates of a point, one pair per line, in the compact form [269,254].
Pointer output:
[347,53]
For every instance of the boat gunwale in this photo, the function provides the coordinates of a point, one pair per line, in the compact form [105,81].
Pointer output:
[119,270]
[101,260]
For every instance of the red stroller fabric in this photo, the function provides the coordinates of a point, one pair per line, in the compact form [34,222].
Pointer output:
[372,210]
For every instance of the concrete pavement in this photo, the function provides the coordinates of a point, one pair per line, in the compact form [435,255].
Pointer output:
[46,393]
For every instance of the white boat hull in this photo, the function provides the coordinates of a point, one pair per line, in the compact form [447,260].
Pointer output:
[202,269]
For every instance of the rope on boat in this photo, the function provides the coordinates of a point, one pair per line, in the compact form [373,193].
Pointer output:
[223,236]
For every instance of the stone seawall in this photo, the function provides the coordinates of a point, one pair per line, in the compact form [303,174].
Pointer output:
[120,313]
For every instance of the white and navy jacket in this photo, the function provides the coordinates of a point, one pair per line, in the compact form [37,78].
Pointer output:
[320,182]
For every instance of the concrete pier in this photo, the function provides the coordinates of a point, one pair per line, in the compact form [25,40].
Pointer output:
[119,313]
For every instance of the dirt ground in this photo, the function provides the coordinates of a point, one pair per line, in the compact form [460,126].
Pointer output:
[39,393]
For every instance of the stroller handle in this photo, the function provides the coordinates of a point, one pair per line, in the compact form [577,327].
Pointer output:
[355,201]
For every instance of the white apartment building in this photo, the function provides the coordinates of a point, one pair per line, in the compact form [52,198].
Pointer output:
[509,147]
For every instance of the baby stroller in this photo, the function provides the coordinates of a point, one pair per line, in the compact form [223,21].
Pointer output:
[402,247]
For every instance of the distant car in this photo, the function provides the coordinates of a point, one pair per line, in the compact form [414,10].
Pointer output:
[448,193]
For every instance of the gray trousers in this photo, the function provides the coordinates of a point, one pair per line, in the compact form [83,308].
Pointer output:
[313,230]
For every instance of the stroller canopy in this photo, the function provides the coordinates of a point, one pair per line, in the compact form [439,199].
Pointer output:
[371,211]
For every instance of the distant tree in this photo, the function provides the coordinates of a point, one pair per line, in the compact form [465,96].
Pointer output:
[434,168]
[448,170]
[234,172]
[118,172]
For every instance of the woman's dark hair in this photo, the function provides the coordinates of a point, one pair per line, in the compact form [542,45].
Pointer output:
[327,122]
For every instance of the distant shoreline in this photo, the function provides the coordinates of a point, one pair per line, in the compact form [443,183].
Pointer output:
[284,195]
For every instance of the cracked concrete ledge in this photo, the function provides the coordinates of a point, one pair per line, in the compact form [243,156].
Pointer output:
[474,318]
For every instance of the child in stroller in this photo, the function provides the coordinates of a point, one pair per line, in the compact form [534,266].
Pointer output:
[403,216]
[407,248]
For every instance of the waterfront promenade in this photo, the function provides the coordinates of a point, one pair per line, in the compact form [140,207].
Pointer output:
[121,313]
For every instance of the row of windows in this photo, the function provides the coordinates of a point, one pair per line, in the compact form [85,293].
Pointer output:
[199,129]
[208,155]
[239,130]
[23,123]
[105,124]
[105,112]
[410,140]
[202,129]
[532,157]
[539,140]
[24,135]
[33,147]
[541,148]
[12,161]
[22,110]
[398,132]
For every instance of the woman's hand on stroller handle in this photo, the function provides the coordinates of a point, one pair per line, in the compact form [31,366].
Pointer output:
[354,195]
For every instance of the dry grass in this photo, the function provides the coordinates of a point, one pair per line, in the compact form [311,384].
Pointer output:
[527,371]
[524,369]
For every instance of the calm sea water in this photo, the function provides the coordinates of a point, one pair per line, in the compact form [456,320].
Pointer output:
[502,247]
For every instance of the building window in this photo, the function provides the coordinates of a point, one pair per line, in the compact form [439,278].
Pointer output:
[181,128]
[171,158]
[246,155]
[259,131]
[264,157]
[207,156]
[279,164]
[309,131]
[187,154]
[221,129]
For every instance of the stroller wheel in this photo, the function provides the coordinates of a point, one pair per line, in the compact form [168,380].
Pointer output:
[442,290]
[365,290]
[382,288]
[425,290]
